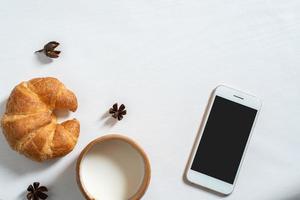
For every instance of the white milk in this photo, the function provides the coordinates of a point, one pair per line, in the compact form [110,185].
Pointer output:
[112,170]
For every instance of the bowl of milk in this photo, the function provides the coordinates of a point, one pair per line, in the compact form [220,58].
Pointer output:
[113,167]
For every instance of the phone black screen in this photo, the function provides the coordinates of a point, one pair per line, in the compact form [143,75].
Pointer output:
[224,139]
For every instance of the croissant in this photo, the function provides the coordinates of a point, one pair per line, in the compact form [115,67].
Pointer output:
[30,125]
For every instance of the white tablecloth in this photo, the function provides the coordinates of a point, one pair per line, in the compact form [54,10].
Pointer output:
[161,59]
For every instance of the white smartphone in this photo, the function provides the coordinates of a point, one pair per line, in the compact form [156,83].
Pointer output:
[223,139]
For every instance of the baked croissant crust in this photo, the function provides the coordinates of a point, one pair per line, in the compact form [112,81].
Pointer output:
[30,125]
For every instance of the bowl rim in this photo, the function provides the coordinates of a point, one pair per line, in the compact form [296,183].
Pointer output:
[147,169]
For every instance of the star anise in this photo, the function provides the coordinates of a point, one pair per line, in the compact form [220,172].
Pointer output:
[36,192]
[49,49]
[117,112]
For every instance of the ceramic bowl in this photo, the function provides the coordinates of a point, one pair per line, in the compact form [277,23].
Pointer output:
[113,167]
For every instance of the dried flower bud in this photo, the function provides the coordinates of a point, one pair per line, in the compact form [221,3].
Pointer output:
[36,192]
[49,50]
[118,112]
